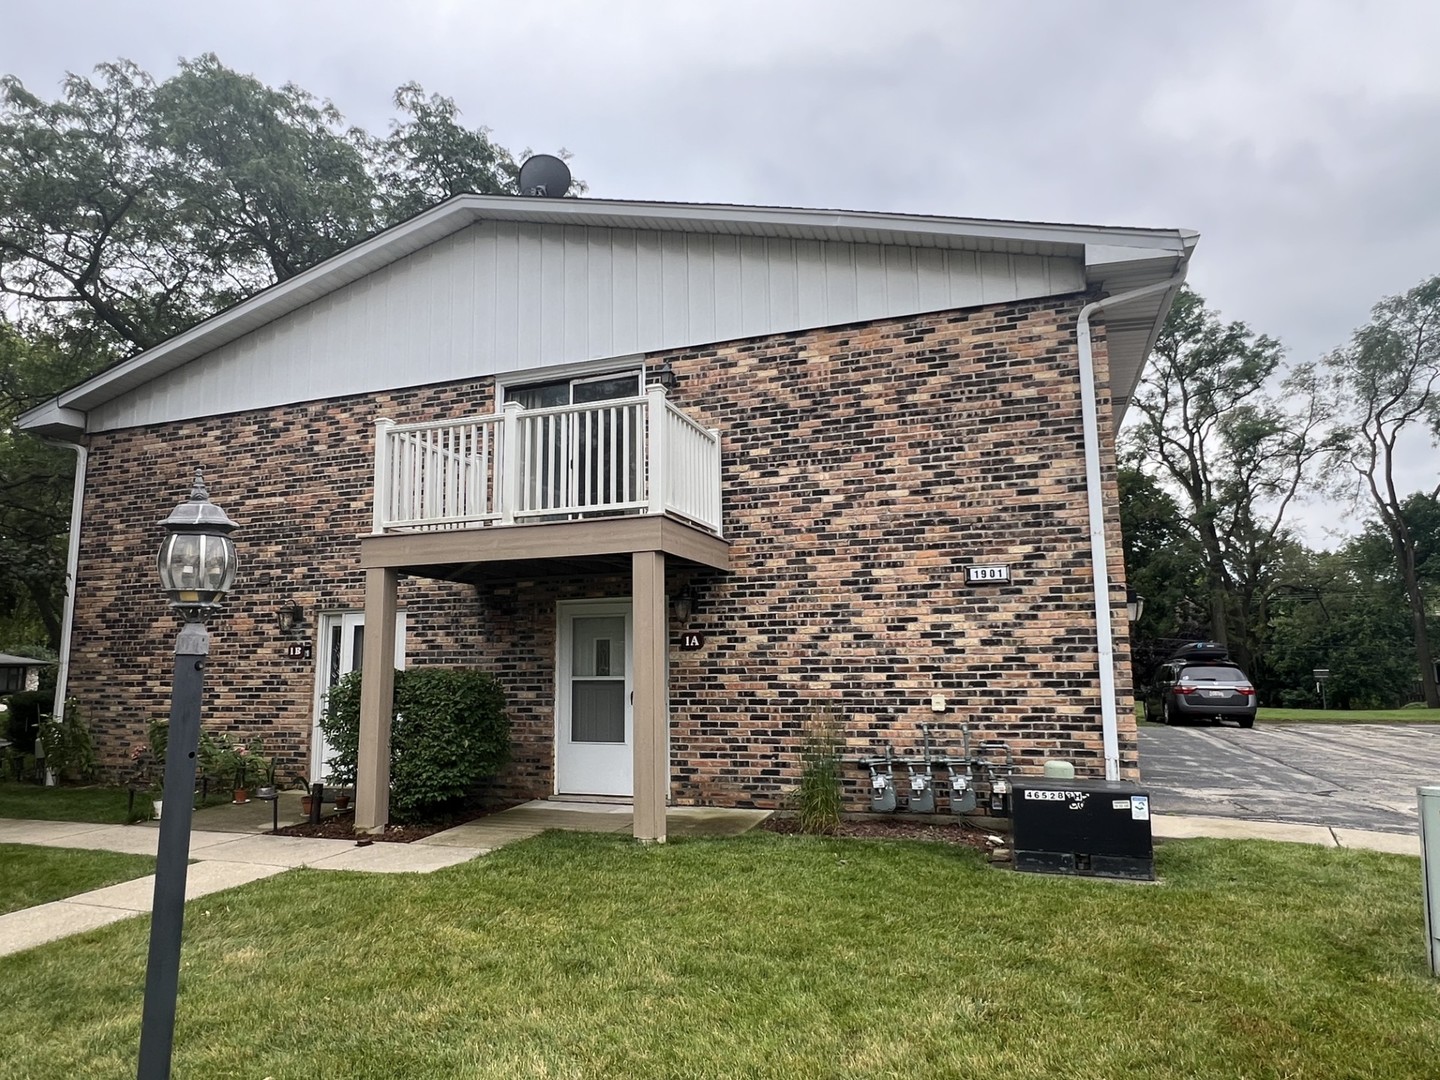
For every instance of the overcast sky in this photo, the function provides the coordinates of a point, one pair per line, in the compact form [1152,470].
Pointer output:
[1301,139]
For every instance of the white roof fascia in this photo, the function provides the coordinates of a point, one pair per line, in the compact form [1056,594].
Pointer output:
[53,420]
[462,211]
[1117,269]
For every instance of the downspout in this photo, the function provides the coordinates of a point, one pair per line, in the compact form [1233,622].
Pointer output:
[1099,553]
[72,566]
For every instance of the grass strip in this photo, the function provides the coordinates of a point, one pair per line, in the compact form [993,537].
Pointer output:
[34,802]
[1348,716]
[32,875]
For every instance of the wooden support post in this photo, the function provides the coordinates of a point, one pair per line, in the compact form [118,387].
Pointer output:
[377,692]
[652,704]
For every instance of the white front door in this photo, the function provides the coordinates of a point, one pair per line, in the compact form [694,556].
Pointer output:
[594,720]
[342,649]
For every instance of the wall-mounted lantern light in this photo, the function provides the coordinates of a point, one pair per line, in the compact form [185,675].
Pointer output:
[289,615]
[682,605]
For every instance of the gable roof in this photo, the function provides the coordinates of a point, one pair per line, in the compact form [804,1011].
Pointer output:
[1116,259]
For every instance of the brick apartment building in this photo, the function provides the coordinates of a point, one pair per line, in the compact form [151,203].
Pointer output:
[528,434]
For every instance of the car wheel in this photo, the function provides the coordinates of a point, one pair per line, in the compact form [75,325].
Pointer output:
[1247,721]
[1170,717]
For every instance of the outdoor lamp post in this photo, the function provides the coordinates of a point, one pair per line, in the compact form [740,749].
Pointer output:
[197,565]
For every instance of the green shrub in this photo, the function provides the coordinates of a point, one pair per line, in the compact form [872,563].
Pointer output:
[69,753]
[818,799]
[449,732]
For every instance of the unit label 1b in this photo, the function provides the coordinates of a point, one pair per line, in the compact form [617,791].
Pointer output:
[987,575]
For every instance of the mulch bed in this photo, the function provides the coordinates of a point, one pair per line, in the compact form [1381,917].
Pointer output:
[341,826]
[898,828]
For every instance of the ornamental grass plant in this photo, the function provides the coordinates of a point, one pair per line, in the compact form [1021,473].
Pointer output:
[818,798]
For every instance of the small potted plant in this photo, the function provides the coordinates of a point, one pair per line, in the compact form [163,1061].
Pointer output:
[307,800]
[242,761]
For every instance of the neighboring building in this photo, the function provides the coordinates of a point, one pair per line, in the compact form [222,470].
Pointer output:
[19,673]
[513,432]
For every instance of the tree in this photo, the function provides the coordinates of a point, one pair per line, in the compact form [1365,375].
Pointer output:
[1163,563]
[35,484]
[1388,381]
[1238,454]
[1344,612]
[131,209]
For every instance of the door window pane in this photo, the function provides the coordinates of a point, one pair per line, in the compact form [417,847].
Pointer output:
[599,644]
[597,712]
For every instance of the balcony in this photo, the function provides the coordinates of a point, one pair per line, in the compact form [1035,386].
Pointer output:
[629,457]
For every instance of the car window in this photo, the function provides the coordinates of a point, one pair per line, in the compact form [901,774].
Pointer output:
[1213,673]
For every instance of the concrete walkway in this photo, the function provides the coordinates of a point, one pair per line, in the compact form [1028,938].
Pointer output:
[229,847]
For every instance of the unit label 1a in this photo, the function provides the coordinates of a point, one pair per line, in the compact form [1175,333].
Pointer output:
[987,575]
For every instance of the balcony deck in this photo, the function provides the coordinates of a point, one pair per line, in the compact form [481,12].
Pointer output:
[589,481]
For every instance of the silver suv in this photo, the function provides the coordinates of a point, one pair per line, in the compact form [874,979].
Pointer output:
[1201,686]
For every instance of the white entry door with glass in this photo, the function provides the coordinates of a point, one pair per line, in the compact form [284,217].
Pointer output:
[594,736]
[342,645]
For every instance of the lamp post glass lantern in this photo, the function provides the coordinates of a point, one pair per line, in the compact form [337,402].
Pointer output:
[197,567]
[197,560]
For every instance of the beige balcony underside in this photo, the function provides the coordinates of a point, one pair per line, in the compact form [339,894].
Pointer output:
[594,546]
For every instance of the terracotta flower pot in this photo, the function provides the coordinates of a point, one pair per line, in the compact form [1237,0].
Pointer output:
[306,803]
[242,795]
[342,802]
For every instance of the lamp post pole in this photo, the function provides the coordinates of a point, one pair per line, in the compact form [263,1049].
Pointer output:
[197,566]
[162,972]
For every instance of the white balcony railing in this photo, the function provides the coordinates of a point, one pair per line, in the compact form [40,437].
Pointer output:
[637,455]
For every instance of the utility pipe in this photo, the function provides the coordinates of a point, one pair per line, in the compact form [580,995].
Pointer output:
[1099,553]
[72,566]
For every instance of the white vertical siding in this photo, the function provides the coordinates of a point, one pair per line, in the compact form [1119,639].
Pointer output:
[503,296]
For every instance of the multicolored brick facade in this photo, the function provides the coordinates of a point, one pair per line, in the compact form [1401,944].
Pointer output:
[864,467]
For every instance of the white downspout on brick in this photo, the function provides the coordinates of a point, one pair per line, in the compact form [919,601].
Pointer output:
[72,567]
[1099,553]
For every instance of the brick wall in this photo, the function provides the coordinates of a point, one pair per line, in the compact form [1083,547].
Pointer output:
[864,466]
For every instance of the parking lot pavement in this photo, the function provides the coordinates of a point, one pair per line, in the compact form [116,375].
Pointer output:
[1355,776]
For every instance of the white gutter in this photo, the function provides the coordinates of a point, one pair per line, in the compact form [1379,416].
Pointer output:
[1099,554]
[72,566]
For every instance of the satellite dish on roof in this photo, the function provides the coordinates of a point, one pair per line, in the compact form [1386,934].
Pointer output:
[544,175]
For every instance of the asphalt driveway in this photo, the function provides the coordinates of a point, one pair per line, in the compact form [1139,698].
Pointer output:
[1357,776]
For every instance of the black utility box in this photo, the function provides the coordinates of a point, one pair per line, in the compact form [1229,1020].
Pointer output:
[1098,828]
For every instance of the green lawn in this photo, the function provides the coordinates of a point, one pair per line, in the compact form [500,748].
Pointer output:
[38,875]
[102,805]
[65,802]
[589,956]
[1349,716]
